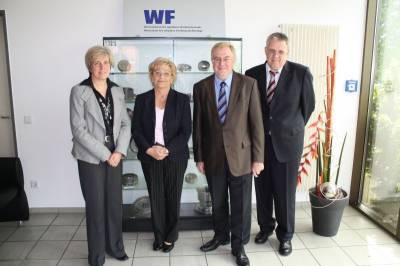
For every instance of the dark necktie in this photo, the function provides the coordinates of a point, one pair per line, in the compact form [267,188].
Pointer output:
[271,86]
[222,104]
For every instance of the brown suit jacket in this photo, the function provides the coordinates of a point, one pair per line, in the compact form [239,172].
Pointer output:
[240,138]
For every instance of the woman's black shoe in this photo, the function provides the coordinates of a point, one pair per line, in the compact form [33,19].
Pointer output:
[167,248]
[123,257]
[157,246]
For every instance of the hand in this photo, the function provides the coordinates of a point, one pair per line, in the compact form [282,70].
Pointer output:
[114,159]
[200,167]
[157,152]
[256,168]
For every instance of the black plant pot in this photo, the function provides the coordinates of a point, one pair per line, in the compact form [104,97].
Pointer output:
[327,213]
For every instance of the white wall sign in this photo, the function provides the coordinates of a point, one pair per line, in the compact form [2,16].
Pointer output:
[174,18]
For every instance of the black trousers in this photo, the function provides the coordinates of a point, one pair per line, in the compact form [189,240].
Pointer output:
[102,191]
[239,188]
[164,182]
[276,185]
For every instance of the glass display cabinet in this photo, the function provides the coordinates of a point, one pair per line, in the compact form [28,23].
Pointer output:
[192,56]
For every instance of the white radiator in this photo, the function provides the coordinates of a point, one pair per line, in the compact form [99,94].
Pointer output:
[310,45]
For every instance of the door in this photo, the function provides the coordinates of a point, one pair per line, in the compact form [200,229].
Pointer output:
[7,134]
[379,187]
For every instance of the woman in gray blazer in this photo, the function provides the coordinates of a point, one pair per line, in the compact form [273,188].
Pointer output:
[101,132]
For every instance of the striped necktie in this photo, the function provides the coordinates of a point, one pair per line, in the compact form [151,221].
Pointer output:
[222,103]
[271,86]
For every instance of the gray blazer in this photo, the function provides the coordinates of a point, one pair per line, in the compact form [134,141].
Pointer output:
[87,125]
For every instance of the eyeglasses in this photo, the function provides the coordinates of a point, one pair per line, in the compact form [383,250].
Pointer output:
[219,60]
[279,53]
[162,74]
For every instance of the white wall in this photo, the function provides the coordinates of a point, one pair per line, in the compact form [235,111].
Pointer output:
[48,39]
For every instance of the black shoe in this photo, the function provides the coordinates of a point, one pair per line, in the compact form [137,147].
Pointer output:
[241,257]
[167,248]
[262,237]
[157,246]
[285,248]
[214,244]
[123,257]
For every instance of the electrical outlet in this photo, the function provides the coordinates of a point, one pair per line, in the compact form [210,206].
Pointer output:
[34,184]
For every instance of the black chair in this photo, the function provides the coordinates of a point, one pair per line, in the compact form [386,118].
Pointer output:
[13,201]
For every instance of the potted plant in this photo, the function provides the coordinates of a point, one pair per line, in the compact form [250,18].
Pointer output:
[327,199]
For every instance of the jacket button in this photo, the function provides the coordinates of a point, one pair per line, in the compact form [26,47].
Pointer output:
[269,132]
[270,118]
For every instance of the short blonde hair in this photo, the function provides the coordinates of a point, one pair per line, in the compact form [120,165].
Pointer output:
[220,45]
[162,61]
[94,52]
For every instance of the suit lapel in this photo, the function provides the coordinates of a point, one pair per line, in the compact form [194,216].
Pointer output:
[93,106]
[234,94]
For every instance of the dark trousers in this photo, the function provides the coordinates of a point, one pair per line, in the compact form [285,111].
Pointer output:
[164,182]
[240,205]
[102,191]
[276,185]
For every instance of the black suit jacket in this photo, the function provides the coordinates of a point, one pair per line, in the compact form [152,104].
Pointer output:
[291,107]
[177,124]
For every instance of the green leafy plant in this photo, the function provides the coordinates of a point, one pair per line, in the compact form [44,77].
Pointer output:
[319,147]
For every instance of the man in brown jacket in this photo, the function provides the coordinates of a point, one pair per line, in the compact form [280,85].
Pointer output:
[228,141]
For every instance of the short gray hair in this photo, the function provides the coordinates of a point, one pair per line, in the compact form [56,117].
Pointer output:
[94,52]
[219,45]
[279,36]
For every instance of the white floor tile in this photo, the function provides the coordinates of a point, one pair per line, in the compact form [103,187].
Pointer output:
[187,246]
[76,250]
[55,232]
[151,261]
[39,263]
[312,240]
[299,257]
[374,254]
[130,246]
[48,250]
[188,260]
[189,234]
[263,259]
[73,262]
[15,250]
[10,263]
[220,259]
[5,232]
[80,234]
[253,247]
[115,262]
[40,219]
[28,233]
[303,225]
[146,235]
[333,256]
[69,219]
[376,236]
[207,233]
[358,222]
[129,235]
[350,211]
[348,238]
[301,213]
[144,248]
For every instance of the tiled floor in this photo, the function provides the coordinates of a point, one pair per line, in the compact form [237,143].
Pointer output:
[60,239]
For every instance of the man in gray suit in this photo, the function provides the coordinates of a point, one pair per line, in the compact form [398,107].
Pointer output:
[228,141]
[287,99]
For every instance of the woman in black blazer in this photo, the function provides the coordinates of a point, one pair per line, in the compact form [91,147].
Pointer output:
[161,127]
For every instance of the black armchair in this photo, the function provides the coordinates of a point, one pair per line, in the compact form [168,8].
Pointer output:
[13,201]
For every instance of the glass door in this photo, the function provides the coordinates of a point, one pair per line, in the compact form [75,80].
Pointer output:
[380,184]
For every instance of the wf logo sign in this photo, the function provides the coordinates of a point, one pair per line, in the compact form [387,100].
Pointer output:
[157,16]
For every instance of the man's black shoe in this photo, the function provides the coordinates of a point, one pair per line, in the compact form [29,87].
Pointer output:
[285,248]
[123,257]
[214,244]
[262,237]
[241,257]
[157,246]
